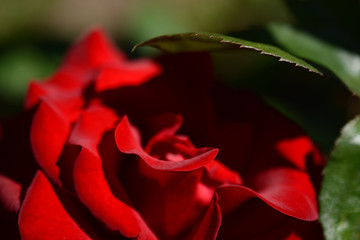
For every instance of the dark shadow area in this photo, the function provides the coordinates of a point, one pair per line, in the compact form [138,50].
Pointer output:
[334,21]
[84,219]
[320,105]
[255,220]
[66,163]
[182,88]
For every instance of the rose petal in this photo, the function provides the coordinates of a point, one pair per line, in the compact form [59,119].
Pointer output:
[42,215]
[296,150]
[94,192]
[91,125]
[287,190]
[250,132]
[170,92]
[210,224]
[60,104]
[48,135]
[64,89]
[167,200]
[9,194]
[171,202]
[255,220]
[128,73]
[89,179]
[127,143]
[93,50]
[170,124]
[165,144]
[218,172]
[62,97]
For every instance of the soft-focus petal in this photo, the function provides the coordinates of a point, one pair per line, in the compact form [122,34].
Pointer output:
[296,150]
[218,172]
[255,220]
[81,64]
[9,194]
[93,50]
[131,73]
[208,227]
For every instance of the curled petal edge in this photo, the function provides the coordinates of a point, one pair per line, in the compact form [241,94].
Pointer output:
[297,199]
[127,142]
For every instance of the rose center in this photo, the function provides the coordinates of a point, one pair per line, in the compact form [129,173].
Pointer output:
[170,148]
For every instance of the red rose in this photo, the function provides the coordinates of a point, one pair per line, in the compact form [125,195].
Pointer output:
[152,150]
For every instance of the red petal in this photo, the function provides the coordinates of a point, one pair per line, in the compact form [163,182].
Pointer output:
[89,179]
[255,220]
[127,142]
[287,190]
[48,135]
[170,92]
[64,89]
[42,216]
[216,171]
[174,122]
[93,50]
[128,73]
[250,132]
[169,201]
[62,97]
[296,150]
[9,194]
[210,224]
[91,125]
[93,190]
[82,61]
[33,94]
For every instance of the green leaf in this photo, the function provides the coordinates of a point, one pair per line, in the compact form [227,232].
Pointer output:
[345,65]
[213,42]
[340,194]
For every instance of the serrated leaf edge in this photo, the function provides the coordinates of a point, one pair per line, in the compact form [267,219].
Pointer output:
[222,40]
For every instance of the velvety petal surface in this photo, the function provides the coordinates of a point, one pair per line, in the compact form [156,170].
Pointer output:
[296,150]
[172,200]
[129,73]
[286,190]
[62,97]
[49,132]
[89,179]
[255,220]
[209,226]
[127,142]
[42,215]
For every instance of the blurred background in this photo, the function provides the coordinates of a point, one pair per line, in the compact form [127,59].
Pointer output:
[34,36]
